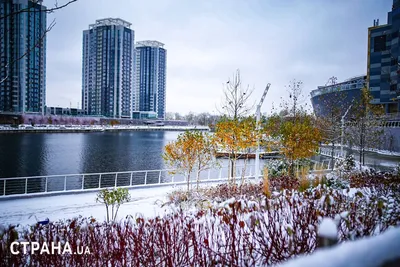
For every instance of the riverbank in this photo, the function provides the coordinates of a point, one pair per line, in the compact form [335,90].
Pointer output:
[88,129]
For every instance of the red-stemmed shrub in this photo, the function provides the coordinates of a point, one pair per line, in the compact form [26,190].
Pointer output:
[237,232]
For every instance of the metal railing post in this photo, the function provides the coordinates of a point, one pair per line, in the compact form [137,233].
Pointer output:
[4,185]
[159,177]
[26,185]
[116,177]
[145,178]
[83,181]
[45,186]
[100,181]
[172,179]
[131,179]
[65,183]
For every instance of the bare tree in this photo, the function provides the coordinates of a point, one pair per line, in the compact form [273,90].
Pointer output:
[334,105]
[296,98]
[235,100]
[38,44]
[39,2]
[366,130]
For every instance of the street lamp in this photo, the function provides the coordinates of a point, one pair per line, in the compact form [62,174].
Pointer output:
[258,115]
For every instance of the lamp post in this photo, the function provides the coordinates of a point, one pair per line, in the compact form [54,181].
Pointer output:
[258,115]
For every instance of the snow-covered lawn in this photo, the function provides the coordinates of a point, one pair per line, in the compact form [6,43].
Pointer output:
[23,211]
[144,201]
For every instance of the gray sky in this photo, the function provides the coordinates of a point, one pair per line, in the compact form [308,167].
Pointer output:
[270,41]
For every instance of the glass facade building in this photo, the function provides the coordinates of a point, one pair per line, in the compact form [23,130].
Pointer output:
[22,56]
[325,98]
[384,61]
[107,68]
[150,78]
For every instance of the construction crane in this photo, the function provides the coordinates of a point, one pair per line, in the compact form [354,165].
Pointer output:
[258,116]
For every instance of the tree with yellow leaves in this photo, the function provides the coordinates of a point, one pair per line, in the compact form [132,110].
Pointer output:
[300,139]
[297,131]
[237,137]
[299,136]
[193,150]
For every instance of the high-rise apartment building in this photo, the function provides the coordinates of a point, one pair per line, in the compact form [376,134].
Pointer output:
[384,61]
[107,69]
[150,78]
[22,56]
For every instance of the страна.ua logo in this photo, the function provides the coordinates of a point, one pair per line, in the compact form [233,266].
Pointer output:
[51,248]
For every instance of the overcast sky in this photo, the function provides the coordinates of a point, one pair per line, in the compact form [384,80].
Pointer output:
[270,41]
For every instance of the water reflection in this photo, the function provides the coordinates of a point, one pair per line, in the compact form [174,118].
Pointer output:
[52,154]
[76,153]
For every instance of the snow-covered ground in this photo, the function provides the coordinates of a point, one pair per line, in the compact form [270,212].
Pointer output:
[144,201]
[366,252]
[23,211]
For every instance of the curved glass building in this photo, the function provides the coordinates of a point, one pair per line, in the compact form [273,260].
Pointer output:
[339,95]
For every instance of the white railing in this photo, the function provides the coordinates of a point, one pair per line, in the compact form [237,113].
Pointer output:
[70,183]
[325,151]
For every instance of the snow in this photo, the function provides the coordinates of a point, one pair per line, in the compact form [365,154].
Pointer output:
[145,202]
[327,228]
[23,211]
[366,252]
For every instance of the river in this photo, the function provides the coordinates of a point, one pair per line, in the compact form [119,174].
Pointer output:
[73,153]
[38,154]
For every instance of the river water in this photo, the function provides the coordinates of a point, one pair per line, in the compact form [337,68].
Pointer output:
[74,153]
[41,154]
[45,154]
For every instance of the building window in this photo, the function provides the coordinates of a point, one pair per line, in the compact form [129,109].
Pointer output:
[380,43]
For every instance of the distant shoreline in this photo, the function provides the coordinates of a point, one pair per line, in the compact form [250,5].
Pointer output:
[62,129]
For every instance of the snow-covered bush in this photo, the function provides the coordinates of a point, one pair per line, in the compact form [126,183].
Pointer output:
[277,167]
[336,182]
[244,230]
[346,165]
[375,179]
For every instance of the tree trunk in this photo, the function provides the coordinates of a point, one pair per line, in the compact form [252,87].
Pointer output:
[108,218]
[188,182]
[232,165]
[198,178]
[244,171]
[361,145]
[116,211]
[333,154]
